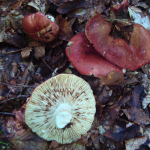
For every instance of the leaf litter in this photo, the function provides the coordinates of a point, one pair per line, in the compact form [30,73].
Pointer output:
[122,101]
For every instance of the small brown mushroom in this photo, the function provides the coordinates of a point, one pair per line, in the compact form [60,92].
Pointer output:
[62,108]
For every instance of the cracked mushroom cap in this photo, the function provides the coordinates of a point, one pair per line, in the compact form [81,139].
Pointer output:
[62,108]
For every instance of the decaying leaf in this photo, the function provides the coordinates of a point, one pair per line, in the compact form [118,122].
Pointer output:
[39,52]
[25,53]
[135,143]
[39,5]
[135,99]
[111,115]
[113,78]
[146,100]
[138,17]
[125,134]
[65,32]
[137,116]
[68,6]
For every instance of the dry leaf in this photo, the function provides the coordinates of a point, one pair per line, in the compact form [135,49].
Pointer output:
[65,32]
[135,143]
[113,78]
[137,116]
[146,100]
[39,52]
[25,53]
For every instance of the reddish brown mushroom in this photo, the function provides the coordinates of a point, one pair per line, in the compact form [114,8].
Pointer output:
[39,27]
[117,51]
[86,59]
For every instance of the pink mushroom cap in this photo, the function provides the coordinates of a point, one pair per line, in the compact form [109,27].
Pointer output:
[129,56]
[86,59]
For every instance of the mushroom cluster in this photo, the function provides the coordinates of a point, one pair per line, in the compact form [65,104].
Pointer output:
[40,28]
[62,108]
[107,54]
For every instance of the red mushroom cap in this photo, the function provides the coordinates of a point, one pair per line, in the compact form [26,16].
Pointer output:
[117,51]
[86,59]
[39,27]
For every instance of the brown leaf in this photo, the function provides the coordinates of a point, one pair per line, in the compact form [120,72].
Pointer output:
[137,116]
[100,5]
[111,114]
[14,67]
[125,134]
[11,37]
[135,143]
[135,99]
[25,53]
[113,78]
[95,139]
[65,32]
[68,6]
[39,52]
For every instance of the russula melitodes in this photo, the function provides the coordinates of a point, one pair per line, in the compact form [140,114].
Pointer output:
[62,108]
[129,56]
[39,27]
[86,59]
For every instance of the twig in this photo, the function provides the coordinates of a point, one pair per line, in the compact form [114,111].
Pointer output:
[47,65]
[17,85]
[56,59]
[6,113]
[7,53]
[19,96]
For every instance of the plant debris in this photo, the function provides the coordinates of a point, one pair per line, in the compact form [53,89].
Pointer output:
[122,118]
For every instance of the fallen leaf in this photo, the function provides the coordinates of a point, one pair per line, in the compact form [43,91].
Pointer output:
[95,139]
[139,17]
[113,78]
[135,143]
[136,115]
[25,53]
[39,52]
[146,100]
[127,133]
[13,38]
[110,115]
[135,98]
[65,32]
[68,6]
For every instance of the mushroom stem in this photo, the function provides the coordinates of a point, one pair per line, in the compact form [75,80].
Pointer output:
[63,115]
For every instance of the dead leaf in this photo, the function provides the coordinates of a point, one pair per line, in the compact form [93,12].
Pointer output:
[69,6]
[11,37]
[127,133]
[39,5]
[113,78]
[135,143]
[146,100]
[136,115]
[135,99]
[65,32]
[25,53]
[39,52]
[95,139]
[14,67]
[111,114]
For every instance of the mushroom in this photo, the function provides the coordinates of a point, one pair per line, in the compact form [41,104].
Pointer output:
[39,27]
[129,56]
[86,59]
[62,108]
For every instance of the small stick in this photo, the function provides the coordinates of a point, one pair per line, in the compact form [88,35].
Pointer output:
[6,113]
